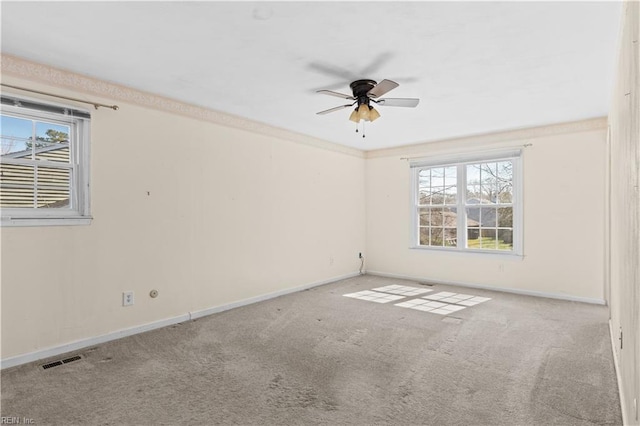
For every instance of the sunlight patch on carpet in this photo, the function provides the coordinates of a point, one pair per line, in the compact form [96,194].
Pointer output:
[402,290]
[442,303]
[457,298]
[374,296]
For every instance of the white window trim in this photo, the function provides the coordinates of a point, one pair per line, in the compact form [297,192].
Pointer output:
[80,158]
[514,155]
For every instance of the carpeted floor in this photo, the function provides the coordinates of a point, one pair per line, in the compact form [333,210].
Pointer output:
[317,357]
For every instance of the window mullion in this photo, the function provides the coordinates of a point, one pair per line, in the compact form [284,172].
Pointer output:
[415,206]
[461,195]
[35,187]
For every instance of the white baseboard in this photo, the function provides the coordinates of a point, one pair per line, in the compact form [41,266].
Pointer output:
[96,340]
[623,406]
[256,299]
[91,341]
[487,287]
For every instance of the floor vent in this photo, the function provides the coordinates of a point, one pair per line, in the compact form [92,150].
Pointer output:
[51,365]
[73,358]
[61,362]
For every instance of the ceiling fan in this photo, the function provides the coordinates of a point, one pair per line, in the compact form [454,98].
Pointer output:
[364,93]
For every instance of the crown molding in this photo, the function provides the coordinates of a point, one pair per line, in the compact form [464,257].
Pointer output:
[504,138]
[22,68]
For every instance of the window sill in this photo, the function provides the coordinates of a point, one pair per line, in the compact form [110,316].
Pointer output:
[473,253]
[46,221]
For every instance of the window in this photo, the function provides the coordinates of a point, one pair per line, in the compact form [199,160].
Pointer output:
[44,159]
[468,203]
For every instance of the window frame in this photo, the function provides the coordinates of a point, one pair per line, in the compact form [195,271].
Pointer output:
[79,122]
[460,161]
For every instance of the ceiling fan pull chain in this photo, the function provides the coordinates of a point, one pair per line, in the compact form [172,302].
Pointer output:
[363,128]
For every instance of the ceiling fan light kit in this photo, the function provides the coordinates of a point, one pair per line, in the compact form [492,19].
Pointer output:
[365,92]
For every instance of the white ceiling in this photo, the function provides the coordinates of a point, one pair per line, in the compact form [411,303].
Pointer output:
[477,67]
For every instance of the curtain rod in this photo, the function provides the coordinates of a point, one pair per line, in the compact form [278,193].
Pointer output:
[95,104]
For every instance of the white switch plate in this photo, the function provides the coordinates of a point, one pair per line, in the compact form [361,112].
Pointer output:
[127,298]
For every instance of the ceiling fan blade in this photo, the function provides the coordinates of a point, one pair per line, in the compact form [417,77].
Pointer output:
[332,70]
[381,88]
[338,108]
[399,102]
[339,95]
[377,63]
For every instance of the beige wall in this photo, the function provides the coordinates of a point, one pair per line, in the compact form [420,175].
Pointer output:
[204,213]
[211,214]
[624,122]
[564,188]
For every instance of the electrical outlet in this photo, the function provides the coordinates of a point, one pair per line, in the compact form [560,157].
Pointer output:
[127,298]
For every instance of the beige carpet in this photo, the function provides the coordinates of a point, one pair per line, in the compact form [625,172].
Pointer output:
[318,357]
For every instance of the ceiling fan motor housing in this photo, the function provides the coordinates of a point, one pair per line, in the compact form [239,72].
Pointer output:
[360,89]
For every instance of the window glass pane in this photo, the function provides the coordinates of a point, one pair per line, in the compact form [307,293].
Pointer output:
[473,238]
[53,187]
[505,181]
[437,177]
[451,183]
[450,175]
[437,185]
[505,193]
[488,239]
[16,198]
[52,142]
[473,184]
[505,217]
[449,217]
[13,174]
[436,217]
[424,187]
[425,217]
[450,235]
[15,135]
[505,239]
[473,217]
[505,170]
[52,176]
[450,195]
[488,217]
[488,179]
[16,190]
[424,236]
[28,187]
[58,152]
[436,237]
[51,132]
[53,197]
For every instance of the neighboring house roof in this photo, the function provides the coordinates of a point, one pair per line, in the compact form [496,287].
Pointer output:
[52,152]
